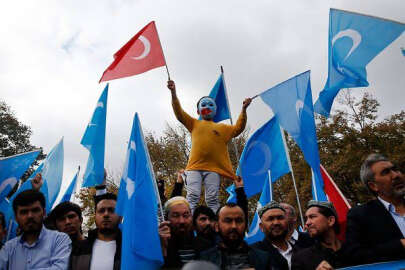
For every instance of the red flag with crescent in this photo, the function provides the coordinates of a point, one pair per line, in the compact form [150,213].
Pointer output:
[142,53]
[339,201]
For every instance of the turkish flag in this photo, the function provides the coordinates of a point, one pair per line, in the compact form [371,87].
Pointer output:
[142,53]
[339,201]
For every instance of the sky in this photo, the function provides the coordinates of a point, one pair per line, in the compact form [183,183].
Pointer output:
[53,54]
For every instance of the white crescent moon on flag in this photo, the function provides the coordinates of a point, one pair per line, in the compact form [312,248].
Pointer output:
[8,182]
[130,187]
[299,105]
[267,156]
[350,33]
[146,50]
[255,229]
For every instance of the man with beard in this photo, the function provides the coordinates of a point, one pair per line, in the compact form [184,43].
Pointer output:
[179,245]
[37,247]
[274,225]
[327,252]
[298,240]
[67,217]
[232,252]
[204,224]
[376,230]
[102,249]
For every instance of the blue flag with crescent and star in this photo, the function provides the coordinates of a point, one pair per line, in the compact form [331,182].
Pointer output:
[140,240]
[291,102]
[94,140]
[70,190]
[263,151]
[12,168]
[255,234]
[218,93]
[354,40]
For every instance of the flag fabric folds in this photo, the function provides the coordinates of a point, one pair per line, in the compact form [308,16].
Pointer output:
[291,102]
[12,168]
[255,234]
[94,140]
[142,53]
[70,190]
[336,196]
[218,93]
[354,40]
[403,51]
[142,202]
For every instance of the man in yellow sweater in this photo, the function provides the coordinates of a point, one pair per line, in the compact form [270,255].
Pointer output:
[209,157]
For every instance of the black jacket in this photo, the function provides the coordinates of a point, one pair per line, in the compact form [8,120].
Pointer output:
[276,259]
[310,258]
[372,234]
[304,241]
[218,255]
[80,258]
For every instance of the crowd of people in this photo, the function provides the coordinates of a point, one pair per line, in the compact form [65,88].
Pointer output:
[204,239]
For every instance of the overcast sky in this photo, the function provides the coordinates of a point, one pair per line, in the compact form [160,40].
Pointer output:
[54,52]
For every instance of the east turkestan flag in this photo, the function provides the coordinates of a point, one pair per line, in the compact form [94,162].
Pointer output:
[142,53]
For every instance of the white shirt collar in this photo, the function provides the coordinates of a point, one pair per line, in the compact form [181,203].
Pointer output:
[295,235]
[385,203]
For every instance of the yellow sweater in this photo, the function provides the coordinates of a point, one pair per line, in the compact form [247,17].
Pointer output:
[209,142]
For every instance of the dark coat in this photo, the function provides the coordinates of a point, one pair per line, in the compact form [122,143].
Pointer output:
[372,234]
[218,255]
[304,241]
[80,258]
[277,260]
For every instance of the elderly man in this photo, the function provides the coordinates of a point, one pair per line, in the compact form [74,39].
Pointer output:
[327,252]
[37,247]
[232,252]
[376,230]
[179,244]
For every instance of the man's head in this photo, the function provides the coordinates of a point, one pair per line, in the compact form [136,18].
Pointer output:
[204,220]
[231,224]
[382,178]
[207,108]
[105,217]
[178,212]
[321,218]
[3,226]
[274,222]
[291,215]
[67,218]
[29,210]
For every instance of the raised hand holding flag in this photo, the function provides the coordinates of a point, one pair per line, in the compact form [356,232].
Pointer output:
[142,53]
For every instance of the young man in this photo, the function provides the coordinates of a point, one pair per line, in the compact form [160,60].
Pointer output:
[209,157]
[67,217]
[232,252]
[204,221]
[327,252]
[376,230]
[102,249]
[37,247]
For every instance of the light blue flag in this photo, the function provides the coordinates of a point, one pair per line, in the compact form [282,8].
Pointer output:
[218,93]
[140,239]
[12,168]
[393,265]
[52,174]
[255,234]
[70,190]
[403,51]
[94,140]
[291,102]
[263,151]
[354,40]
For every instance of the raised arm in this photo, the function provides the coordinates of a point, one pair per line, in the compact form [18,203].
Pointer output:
[242,119]
[181,115]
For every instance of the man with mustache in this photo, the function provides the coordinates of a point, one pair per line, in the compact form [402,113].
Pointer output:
[209,157]
[102,249]
[376,230]
[204,223]
[37,247]
[232,252]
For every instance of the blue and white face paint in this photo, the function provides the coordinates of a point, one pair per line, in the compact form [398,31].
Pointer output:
[207,108]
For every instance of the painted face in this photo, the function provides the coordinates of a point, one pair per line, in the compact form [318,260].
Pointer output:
[207,108]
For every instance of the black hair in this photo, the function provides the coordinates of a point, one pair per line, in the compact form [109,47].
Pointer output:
[106,196]
[63,208]
[329,213]
[3,221]
[203,210]
[230,205]
[28,197]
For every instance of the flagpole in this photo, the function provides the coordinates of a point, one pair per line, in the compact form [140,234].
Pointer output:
[230,114]
[292,174]
[164,57]
[270,185]
[75,187]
